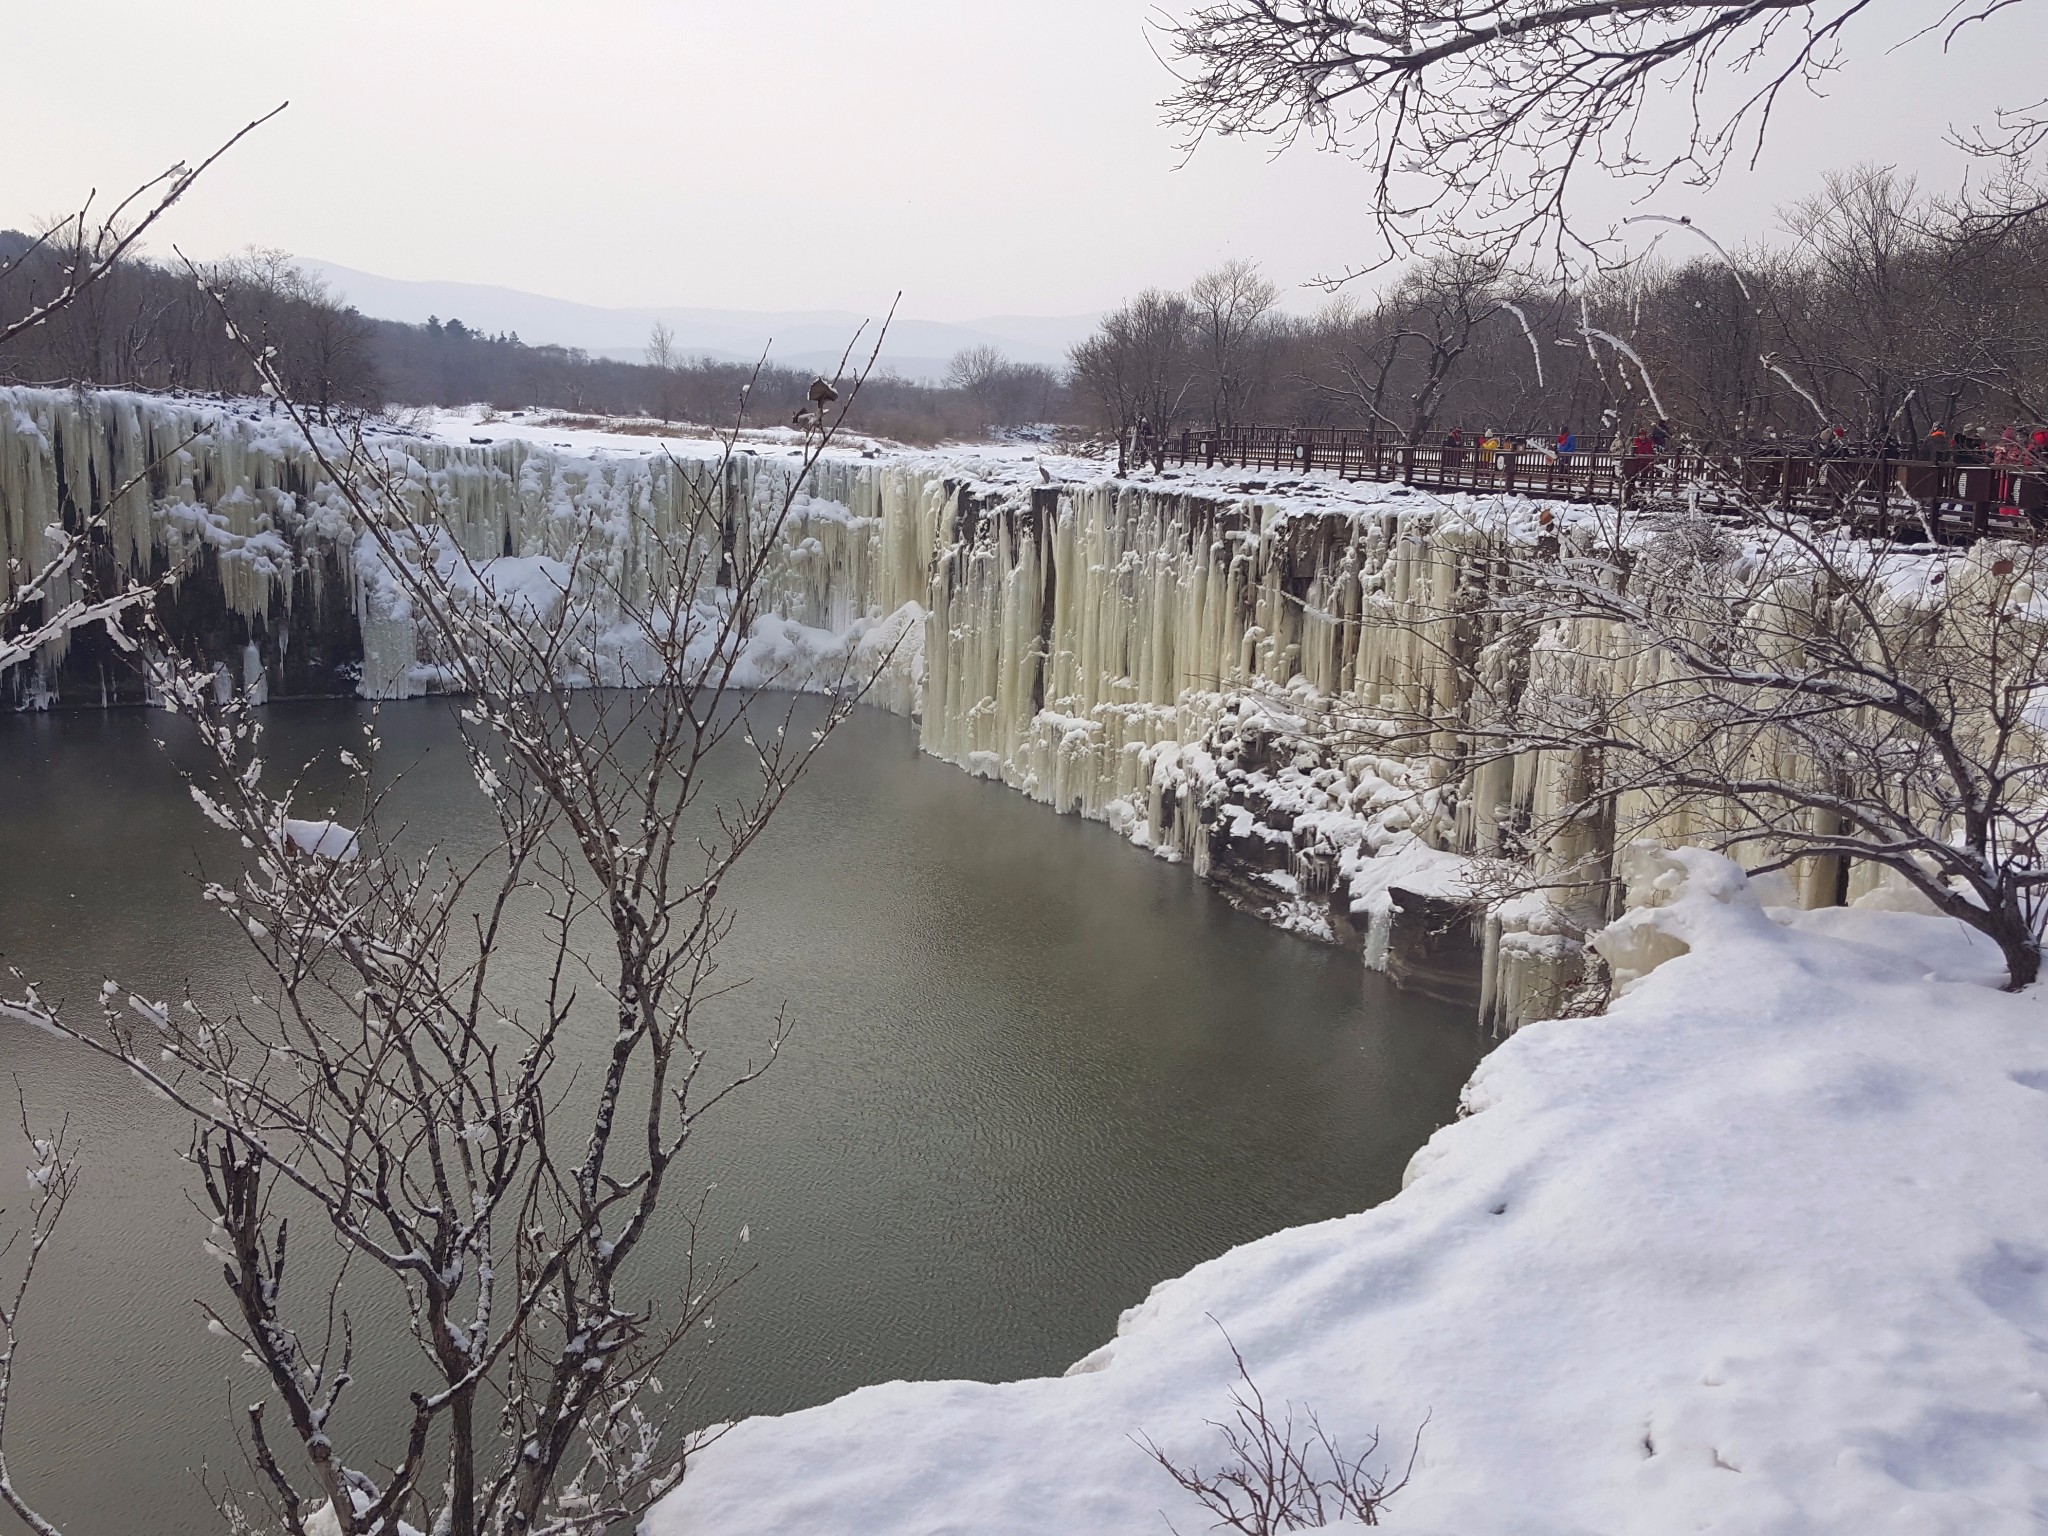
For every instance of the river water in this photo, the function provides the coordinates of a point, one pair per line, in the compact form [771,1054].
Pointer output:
[1033,1072]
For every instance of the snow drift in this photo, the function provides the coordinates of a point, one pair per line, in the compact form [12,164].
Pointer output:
[1762,1250]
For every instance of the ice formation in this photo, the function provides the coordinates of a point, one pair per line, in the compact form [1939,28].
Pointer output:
[1212,666]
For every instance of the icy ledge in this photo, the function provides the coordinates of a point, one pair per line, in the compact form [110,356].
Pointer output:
[1763,1250]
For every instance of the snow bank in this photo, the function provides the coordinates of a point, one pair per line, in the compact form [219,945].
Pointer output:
[1764,1249]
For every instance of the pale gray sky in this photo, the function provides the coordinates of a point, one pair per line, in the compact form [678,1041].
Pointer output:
[985,156]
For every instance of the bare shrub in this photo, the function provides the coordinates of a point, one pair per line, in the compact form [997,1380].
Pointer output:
[1282,1475]
[479,1079]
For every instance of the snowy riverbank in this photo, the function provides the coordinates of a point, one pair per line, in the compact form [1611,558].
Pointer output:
[1763,1249]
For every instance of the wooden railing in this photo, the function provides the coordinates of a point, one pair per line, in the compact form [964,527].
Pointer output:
[1952,500]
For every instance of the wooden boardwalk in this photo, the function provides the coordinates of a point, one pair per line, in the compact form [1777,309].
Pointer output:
[1953,501]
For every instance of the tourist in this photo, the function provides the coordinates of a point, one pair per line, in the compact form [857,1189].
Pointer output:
[1642,449]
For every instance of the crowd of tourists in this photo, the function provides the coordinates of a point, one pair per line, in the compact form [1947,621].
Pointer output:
[1487,446]
[2017,447]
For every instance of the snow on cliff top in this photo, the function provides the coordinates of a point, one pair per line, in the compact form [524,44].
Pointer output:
[1763,1250]
[1011,467]
[1004,465]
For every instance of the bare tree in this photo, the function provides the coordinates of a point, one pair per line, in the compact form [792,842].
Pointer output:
[410,1091]
[321,348]
[1475,120]
[665,358]
[52,1177]
[662,352]
[974,369]
[1861,305]
[1233,307]
[1413,344]
[1872,314]
[141,323]
[46,594]
[1004,393]
[1786,691]
[1281,1476]
[92,248]
[2014,191]
[40,605]
[1138,372]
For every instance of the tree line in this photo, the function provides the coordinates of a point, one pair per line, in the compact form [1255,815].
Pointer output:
[449,364]
[155,325]
[1878,318]
[151,325]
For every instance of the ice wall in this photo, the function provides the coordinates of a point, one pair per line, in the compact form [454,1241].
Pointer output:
[230,502]
[1217,668]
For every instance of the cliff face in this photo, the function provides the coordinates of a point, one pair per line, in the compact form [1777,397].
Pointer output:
[1212,666]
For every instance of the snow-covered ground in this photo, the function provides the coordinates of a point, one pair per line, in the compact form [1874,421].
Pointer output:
[629,437]
[1764,1249]
[993,465]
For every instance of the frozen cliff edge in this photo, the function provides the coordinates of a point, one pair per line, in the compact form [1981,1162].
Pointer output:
[1203,661]
[1283,680]
[1761,1250]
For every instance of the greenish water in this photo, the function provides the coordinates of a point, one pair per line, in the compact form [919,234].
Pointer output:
[1033,1073]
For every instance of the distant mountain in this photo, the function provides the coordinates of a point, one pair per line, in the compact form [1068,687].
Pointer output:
[813,339]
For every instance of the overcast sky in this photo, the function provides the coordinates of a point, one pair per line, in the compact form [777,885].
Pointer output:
[985,156]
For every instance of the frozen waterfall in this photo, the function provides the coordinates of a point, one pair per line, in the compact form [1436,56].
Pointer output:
[1211,667]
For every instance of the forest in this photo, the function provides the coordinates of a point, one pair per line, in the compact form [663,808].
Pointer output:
[1879,315]
[153,325]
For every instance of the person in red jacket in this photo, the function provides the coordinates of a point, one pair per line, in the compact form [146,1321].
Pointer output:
[1454,448]
[1642,448]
